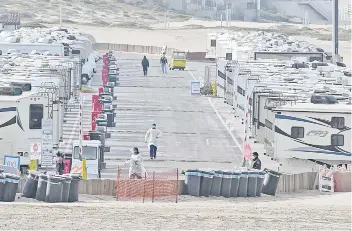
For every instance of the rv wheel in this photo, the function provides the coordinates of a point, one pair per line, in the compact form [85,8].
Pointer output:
[84,80]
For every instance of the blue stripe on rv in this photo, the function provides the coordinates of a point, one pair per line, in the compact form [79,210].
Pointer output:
[323,152]
[6,109]
[286,117]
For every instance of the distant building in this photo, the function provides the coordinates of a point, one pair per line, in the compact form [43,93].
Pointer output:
[216,9]
[13,22]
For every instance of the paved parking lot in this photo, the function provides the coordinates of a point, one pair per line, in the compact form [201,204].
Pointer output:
[193,135]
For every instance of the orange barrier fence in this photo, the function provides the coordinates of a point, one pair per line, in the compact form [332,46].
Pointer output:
[152,186]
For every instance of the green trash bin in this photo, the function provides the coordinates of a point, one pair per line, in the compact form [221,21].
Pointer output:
[10,189]
[226,184]
[270,182]
[193,180]
[235,180]
[206,181]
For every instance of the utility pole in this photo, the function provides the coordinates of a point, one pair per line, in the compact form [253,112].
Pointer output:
[168,19]
[227,15]
[221,19]
[335,30]
[60,15]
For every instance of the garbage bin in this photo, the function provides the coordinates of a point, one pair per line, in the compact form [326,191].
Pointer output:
[10,189]
[235,180]
[252,183]
[243,184]
[74,188]
[193,178]
[260,181]
[41,189]
[31,185]
[2,185]
[54,189]
[216,184]
[206,181]
[226,184]
[270,182]
[66,188]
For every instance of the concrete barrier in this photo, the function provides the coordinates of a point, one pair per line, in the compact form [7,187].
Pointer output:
[192,56]
[287,184]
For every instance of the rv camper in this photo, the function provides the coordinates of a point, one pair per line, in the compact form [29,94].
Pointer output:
[315,132]
[92,151]
[21,114]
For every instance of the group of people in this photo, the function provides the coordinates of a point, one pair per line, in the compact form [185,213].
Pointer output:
[137,169]
[145,64]
[136,161]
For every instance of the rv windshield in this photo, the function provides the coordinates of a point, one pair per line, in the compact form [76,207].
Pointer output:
[89,153]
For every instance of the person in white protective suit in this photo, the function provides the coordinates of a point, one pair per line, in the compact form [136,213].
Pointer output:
[151,137]
[137,169]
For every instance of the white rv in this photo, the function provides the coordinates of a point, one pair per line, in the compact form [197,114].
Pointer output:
[27,48]
[313,132]
[20,123]
[92,151]
[211,46]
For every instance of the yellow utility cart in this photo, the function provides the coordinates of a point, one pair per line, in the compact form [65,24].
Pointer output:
[178,60]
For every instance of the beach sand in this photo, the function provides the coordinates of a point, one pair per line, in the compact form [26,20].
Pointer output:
[302,211]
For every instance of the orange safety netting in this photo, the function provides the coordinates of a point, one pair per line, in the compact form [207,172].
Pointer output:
[150,186]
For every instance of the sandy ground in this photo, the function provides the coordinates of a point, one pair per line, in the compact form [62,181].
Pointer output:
[302,211]
[194,39]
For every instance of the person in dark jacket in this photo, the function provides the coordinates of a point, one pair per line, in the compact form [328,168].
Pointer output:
[145,65]
[59,163]
[257,164]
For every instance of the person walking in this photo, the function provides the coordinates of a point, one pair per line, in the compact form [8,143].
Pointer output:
[257,164]
[59,163]
[163,62]
[151,137]
[145,65]
[137,169]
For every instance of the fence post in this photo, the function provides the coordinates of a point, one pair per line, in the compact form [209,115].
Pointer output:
[117,183]
[153,186]
[145,179]
[176,190]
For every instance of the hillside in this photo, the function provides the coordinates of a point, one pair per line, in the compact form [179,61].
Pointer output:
[115,13]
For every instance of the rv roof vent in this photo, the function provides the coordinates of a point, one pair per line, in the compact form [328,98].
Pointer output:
[10,91]
[320,91]
[24,86]
[323,99]
[347,73]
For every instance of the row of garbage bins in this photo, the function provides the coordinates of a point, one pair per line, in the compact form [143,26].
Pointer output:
[42,187]
[244,183]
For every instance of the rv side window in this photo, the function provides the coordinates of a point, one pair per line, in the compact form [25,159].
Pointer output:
[337,122]
[213,43]
[36,112]
[268,124]
[337,140]
[297,132]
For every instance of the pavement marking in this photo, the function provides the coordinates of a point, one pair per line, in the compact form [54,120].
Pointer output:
[191,73]
[207,141]
[219,116]
[223,123]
